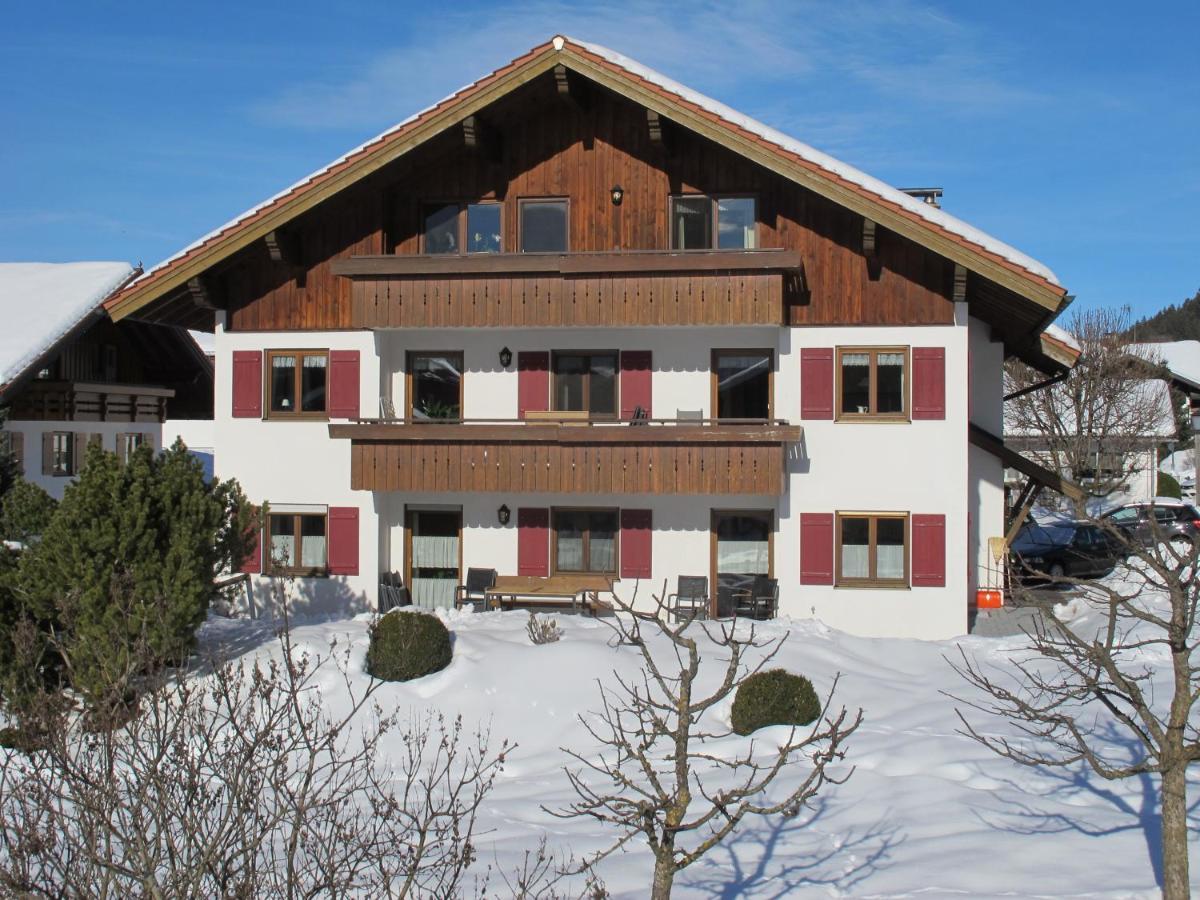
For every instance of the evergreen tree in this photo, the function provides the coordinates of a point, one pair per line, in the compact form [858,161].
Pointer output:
[25,512]
[125,571]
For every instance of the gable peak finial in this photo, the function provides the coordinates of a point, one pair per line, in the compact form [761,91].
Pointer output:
[559,42]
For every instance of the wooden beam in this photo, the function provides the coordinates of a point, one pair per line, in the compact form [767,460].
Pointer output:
[960,283]
[480,137]
[572,88]
[198,290]
[282,247]
[868,238]
[661,136]
[870,249]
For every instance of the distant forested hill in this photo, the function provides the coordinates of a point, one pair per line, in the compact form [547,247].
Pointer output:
[1178,322]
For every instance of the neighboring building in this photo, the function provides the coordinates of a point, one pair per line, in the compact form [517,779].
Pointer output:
[70,377]
[434,353]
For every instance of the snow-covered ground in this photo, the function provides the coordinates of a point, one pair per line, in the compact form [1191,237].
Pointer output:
[927,811]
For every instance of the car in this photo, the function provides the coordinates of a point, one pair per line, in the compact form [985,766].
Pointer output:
[1161,519]
[1063,549]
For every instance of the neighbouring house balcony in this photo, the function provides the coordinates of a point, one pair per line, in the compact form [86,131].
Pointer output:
[571,456]
[80,401]
[518,290]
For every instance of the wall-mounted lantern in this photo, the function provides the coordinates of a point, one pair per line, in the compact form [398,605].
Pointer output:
[618,194]
[503,514]
[505,357]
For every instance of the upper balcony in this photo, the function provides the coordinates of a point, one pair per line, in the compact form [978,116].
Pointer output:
[78,401]
[532,290]
[563,454]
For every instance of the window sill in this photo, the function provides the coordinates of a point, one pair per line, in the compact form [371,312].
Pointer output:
[296,417]
[299,573]
[869,419]
[873,585]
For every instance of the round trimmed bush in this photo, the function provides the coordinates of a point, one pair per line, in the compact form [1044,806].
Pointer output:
[407,645]
[774,697]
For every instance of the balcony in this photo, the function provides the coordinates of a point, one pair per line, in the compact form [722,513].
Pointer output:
[653,456]
[78,401]
[530,290]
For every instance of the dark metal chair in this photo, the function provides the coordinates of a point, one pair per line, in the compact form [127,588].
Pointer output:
[760,602]
[639,416]
[479,581]
[690,599]
[392,592]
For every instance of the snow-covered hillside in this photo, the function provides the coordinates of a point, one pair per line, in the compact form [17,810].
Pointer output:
[927,811]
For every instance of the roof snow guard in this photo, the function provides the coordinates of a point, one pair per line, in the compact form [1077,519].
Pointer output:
[921,222]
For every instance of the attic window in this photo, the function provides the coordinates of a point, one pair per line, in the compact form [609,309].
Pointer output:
[462,227]
[700,222]
[543,226]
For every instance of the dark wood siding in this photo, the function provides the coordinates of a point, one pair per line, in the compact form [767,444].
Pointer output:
[553,148]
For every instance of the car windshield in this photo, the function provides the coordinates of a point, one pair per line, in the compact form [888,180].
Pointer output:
[1035,536]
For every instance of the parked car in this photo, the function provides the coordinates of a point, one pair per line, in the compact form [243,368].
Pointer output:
[1160,519]
[1075,549]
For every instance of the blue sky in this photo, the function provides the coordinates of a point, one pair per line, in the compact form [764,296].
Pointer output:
[1071,130]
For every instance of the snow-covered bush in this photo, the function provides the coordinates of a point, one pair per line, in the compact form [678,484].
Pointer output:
[542,630]
[774,697]
[407,645]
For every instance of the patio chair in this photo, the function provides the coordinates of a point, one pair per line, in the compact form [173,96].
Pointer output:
[392,592]
[639,416]
[479,581]
[690,599]
[760,602]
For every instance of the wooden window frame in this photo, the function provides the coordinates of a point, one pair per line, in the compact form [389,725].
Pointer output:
[587,383]
[424,207]
[587,540]
[297,415]
[269,565]
[408,527]
[905,415]
[72,468]
[522,202]
[772,518]
[714,380]
[713,202]
[872,580]
[410,356]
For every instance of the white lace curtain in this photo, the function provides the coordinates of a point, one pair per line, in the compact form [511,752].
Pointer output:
[745,557]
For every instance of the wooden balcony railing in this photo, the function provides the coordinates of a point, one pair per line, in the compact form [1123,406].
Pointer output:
[655,456]
[719,287]
[77,401]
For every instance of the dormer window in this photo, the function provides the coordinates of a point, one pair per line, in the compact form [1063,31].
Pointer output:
[701,222]
[455,228]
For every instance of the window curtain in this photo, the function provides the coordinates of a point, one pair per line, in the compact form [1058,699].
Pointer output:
[744,557]
[570,551]
[312,551]
[890,561]
[604,553]
[435,552]
[856,561]
[283,547]
[430,588]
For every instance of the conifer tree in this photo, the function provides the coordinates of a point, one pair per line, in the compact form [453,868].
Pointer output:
[125,571]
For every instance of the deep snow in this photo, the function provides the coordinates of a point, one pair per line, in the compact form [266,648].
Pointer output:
[927,811]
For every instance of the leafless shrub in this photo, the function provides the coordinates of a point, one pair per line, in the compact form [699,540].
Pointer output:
[542,630]
[246,783]
[659,777]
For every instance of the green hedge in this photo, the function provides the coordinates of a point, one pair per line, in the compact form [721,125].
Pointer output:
[407,645]
[1168,486]
[774,697]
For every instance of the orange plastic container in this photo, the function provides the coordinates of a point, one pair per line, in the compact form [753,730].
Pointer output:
[989,598]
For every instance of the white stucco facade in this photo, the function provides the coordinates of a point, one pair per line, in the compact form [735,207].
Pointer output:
[915,467]
[31,445]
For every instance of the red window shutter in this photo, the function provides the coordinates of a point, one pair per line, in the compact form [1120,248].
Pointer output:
[816,548]
[343,540]
[343,384]
[635,382]
[636,539]
[253,562]
[247,384]
[928,550]
[533,541]
[929,382]
[533,382]
[816,383]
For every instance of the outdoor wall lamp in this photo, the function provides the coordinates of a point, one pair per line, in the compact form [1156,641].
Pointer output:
[505,357]
[618,194]
[503,514]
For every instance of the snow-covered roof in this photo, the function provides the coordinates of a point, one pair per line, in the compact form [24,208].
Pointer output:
[1182,358]
[815,157]
[42,302]
[1146,401]
[205,341]
[1063,337]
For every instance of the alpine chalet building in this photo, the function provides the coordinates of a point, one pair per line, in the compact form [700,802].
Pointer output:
[577,320]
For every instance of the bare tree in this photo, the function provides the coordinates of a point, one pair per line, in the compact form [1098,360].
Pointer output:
[657,775]
[1098,424]
[1080,681]
[243,782]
